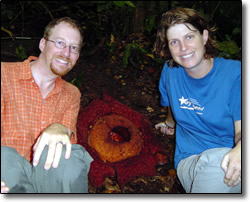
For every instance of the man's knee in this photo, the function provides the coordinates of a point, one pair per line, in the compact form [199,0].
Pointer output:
[15,169]
[10,158]
[78,166]
[78,162]
[80,158]
[8,153]
[74,171]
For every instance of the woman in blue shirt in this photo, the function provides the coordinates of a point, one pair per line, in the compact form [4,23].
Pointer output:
[203,96]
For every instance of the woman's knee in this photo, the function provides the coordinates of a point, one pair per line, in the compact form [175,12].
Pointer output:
[212,157]
[201,167]
[209,176]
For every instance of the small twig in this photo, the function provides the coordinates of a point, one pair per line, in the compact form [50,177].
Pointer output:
[7,31]
[212,15]
[13,20]
[45,7]
[21,38]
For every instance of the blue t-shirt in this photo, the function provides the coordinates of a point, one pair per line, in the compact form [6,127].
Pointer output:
[204,109]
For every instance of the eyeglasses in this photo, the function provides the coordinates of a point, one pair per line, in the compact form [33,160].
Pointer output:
[61,45]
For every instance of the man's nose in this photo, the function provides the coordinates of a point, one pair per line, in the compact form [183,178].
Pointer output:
[66,51]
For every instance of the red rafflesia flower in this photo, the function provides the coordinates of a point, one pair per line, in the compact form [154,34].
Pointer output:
[152,152]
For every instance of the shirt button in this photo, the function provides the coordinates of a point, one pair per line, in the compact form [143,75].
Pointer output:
[43,122]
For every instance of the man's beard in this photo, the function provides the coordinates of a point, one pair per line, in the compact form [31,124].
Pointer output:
[56,71]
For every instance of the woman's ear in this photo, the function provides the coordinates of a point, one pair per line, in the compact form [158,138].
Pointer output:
[42,44]
[205,36]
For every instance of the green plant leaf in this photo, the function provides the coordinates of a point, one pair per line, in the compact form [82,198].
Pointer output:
[119,3]
[229,46]
[21,52]
[129,3]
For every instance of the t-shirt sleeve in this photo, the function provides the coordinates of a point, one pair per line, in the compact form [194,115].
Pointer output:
[163,87]
[235,104]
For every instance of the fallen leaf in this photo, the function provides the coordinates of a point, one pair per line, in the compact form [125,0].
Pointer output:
[172,172]
[150,109]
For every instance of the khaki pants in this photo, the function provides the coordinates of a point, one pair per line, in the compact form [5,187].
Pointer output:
[71,176]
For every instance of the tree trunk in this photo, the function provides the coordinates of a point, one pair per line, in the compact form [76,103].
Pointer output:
[139,16]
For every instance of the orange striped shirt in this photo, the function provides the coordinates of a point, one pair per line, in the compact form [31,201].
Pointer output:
[25,114]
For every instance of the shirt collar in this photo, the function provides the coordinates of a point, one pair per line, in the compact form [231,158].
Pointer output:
[58,86]
[26,74]
[25,71]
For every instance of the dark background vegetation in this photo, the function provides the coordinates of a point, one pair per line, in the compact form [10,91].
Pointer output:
[100,19]
[117,58]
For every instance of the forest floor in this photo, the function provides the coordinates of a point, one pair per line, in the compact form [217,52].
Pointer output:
[136,85]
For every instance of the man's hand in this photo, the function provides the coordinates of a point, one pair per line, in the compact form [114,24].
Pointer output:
[55,136]
[231,164]
[4,189]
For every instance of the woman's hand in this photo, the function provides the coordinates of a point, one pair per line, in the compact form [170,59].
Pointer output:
[55,136]
[231,164]
[165,128]
[4,189]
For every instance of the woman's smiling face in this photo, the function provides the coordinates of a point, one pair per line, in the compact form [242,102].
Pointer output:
[187,45]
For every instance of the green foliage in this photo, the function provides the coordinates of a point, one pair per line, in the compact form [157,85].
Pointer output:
[136,54]
[127,53]
[150,23]
[21,53]
[8,13]
[111,47]
[77,81]
[123,3]
[105,5]
[228,48]
[100,19]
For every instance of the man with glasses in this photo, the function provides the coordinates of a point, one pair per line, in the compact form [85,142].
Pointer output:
[39,112]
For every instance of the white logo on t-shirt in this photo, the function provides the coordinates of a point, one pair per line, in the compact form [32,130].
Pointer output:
[191,104]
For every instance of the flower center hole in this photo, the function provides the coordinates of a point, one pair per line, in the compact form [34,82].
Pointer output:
[120,134]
